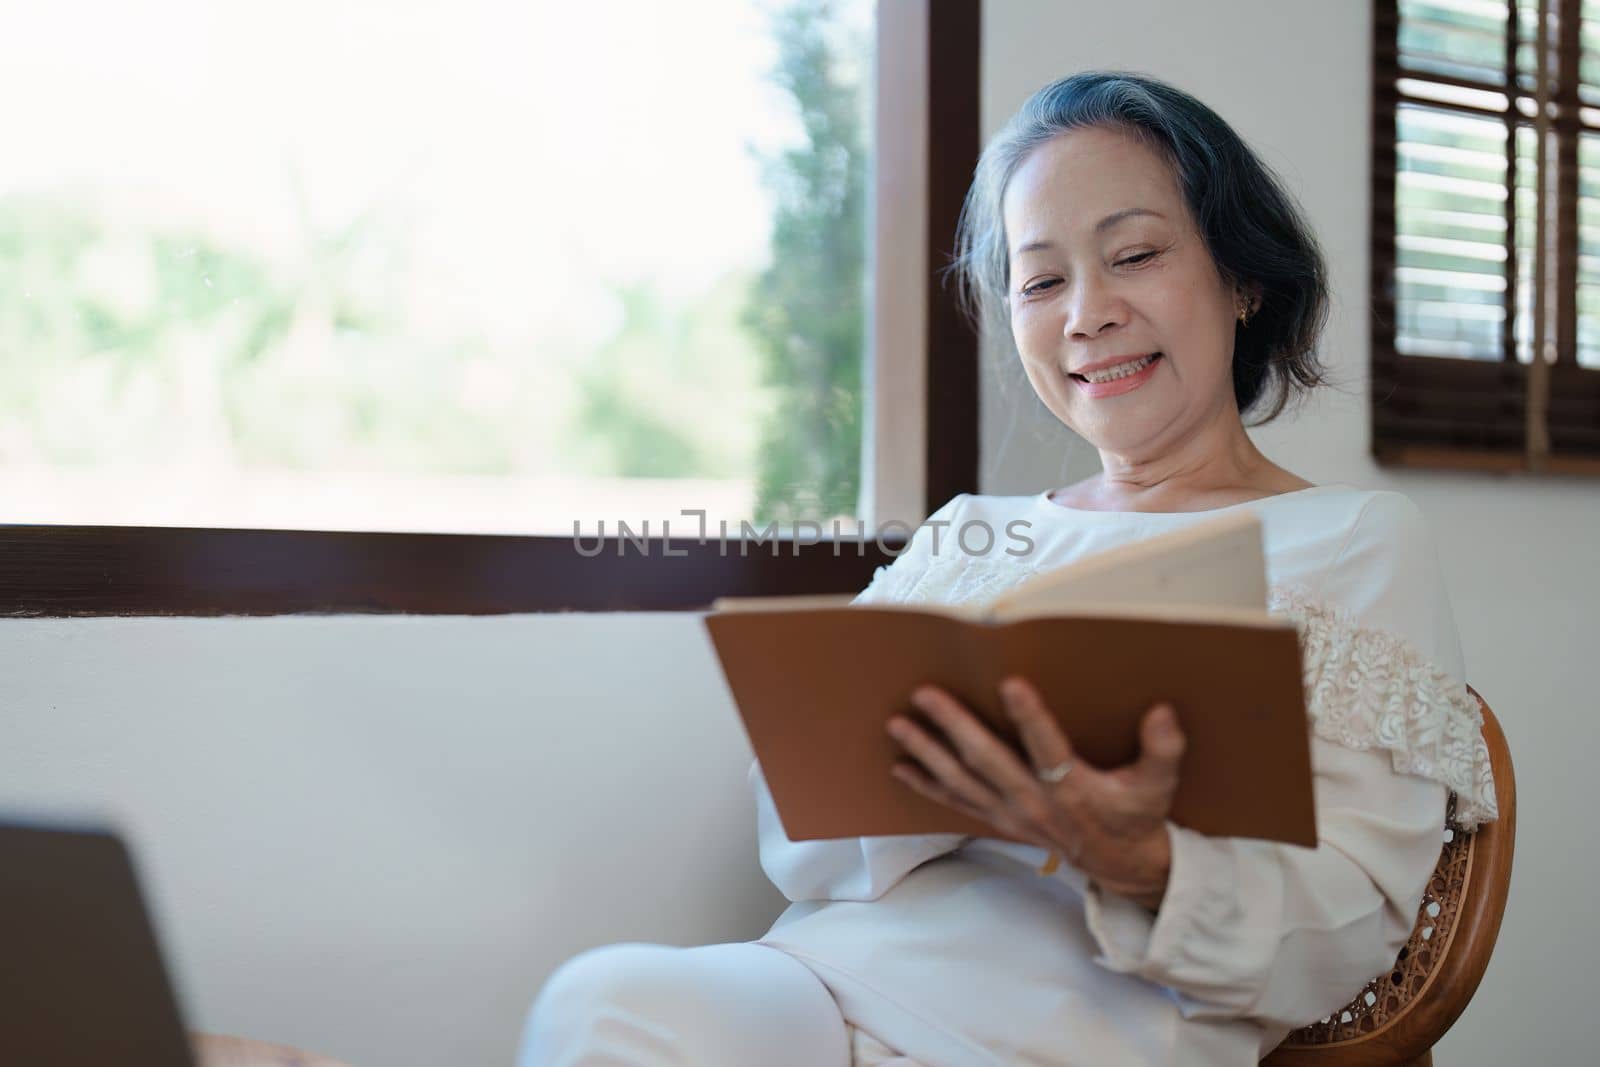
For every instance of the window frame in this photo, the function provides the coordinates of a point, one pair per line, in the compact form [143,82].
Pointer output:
[1465,414]
[922,447]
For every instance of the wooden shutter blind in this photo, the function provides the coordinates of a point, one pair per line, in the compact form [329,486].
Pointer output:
[1455,226]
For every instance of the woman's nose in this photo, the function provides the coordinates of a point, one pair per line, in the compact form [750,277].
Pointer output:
[1093,310]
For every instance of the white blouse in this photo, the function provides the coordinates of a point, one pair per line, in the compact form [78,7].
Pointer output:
[955,951]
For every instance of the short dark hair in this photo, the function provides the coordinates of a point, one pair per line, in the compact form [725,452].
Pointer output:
[1252,227]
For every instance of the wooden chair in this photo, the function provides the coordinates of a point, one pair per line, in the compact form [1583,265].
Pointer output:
[1402,1013]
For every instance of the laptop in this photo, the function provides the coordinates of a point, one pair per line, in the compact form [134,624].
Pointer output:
[82,983]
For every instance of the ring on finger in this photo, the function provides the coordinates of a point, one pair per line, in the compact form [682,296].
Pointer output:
[1056,773]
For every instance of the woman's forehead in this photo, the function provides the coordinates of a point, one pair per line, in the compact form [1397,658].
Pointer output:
[1078,179]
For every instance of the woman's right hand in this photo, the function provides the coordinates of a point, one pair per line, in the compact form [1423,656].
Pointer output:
[1110,824]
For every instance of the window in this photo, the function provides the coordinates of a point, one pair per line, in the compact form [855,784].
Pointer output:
[485,272]
[1485,341]
[272,281]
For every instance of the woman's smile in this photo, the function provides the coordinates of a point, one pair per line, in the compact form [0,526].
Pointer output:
[1117,380]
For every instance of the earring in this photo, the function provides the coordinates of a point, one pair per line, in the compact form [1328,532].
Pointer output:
[1244,311]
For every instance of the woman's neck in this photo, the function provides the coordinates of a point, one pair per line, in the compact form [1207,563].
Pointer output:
[1210,469]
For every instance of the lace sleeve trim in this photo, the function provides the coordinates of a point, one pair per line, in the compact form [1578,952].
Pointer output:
[1368,688]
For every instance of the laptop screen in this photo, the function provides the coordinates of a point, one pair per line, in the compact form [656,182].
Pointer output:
[83,983]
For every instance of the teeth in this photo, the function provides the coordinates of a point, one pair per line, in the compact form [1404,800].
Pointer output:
[1121,371]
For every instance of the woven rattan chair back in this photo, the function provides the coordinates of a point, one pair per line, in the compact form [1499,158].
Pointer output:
[1397,1018]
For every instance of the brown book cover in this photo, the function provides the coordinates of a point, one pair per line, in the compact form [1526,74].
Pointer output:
[816,682]
[816,688]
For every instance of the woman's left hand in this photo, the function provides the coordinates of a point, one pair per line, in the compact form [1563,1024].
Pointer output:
[1110,824]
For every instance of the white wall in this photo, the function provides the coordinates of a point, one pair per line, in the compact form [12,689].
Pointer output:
[373,837]
[1519,553]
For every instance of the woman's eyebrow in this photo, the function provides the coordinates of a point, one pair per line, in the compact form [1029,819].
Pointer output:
[1126,213]
[1099,227]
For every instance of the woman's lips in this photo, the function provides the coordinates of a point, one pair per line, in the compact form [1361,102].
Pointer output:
[1118,386]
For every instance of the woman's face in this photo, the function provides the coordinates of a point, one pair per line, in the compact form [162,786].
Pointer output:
[1107,269]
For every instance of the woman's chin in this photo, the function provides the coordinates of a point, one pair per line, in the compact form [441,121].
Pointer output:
[1127,423]
[1126,433]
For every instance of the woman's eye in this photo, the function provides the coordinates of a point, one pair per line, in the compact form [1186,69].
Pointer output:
[1038,287]
[1140,258]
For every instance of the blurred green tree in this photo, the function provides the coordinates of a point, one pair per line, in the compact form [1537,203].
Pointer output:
[807,310]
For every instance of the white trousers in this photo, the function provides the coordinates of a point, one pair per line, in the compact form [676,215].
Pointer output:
[732,1005]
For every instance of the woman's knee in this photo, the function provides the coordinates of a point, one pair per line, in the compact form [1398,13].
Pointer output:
[712,1004]
[614,974]
[602,1005]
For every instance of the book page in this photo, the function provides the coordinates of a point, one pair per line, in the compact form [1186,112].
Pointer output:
[801,602]
[1215,564]
[827,601]
[1209,614]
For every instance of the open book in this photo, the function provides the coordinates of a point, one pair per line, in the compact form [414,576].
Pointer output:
[1180,617]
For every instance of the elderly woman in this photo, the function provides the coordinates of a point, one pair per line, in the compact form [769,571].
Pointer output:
[1158,282]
